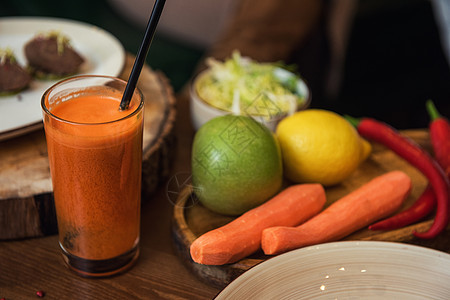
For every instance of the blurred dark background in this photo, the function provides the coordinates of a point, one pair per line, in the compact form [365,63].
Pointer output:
[394,61]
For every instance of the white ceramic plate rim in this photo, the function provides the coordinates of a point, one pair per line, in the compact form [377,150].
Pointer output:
[104,55]
[347,270]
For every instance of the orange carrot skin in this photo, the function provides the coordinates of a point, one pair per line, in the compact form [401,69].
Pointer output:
[242,236]
[440,140]
[419,210]
[374,200]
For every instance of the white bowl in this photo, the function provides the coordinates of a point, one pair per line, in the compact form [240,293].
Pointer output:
[202,112]
[347,270]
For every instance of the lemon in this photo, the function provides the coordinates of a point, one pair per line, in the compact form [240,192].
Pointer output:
[320,146]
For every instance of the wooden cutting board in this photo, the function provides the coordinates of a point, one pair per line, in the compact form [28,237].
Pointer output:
[26,199]
[191,219]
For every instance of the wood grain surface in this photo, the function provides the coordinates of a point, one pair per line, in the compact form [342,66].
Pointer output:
[26,199]
[191,219]
[29,265]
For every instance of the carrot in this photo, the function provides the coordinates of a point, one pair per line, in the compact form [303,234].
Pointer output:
[374,200]
[386,135]
[242,236]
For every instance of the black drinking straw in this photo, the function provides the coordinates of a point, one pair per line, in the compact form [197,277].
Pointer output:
[142,53]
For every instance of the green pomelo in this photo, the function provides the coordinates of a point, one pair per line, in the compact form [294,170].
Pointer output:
[236,164]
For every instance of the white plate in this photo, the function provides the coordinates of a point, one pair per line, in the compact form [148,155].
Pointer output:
[103,53]
[347,270]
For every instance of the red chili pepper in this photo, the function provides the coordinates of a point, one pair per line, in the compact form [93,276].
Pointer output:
[440,137]
[415,155]
[419,210]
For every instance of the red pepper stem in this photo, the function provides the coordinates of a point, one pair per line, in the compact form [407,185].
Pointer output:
[432,111]
[354,121]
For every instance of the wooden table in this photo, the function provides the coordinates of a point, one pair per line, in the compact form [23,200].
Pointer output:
[29,265]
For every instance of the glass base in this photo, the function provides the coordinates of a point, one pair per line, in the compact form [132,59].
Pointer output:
[101,268]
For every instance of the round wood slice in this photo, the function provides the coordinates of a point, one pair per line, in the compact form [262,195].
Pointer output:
[191,219]
[26,199]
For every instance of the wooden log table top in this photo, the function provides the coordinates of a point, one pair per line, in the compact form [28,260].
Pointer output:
[191,219]
[29,265]
[26,204]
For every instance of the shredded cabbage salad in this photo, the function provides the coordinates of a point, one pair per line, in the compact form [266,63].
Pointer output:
[243,86]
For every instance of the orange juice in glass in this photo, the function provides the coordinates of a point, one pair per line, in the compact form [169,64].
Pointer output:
[95,156]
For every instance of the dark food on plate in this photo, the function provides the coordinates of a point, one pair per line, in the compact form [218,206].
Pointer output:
[13,78]
[50,55]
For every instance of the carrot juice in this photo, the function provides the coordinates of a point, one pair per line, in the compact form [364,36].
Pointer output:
[95,157]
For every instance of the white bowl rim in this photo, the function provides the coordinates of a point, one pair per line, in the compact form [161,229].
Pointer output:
[194,94]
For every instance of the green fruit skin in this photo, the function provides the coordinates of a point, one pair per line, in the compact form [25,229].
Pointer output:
[236,164]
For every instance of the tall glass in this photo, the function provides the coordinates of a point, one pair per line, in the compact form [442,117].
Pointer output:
[95,155]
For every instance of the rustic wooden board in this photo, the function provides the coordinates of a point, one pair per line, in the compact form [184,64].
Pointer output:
[26,199]
[191,219]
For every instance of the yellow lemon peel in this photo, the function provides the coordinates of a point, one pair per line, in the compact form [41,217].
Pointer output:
[320,146]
